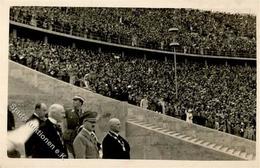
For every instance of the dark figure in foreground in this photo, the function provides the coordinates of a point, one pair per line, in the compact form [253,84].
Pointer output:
[39,114]
[50,143]
[115,146]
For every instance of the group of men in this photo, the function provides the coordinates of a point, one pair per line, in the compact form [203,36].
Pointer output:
[159,105]
[71,134]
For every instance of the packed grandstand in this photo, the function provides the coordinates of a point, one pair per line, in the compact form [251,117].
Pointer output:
[200,32]
[224,95]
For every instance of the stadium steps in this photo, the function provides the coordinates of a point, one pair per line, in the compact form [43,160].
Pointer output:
[195,141]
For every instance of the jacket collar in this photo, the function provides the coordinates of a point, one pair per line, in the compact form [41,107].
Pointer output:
[113,133]
[88,135]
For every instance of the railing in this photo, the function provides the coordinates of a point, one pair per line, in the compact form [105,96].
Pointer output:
[129,42]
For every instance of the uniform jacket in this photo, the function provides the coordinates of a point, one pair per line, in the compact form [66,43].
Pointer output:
[73,123]
[85,146]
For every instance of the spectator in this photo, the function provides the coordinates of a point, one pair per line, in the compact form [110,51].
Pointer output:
[213,89]
[149,27]
[144,102]
[189,116]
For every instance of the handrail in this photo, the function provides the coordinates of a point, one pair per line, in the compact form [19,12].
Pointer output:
[56,30]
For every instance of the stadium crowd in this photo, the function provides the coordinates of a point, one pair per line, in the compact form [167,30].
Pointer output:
[222,97]
[201,32]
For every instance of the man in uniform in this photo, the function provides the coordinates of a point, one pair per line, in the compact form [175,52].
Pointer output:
[86,144]
[72,123]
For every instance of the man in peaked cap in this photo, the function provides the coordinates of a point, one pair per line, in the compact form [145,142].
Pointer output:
[86,143]
[72,123]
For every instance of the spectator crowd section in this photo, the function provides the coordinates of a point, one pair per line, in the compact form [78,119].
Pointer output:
[222,97]
[200,32]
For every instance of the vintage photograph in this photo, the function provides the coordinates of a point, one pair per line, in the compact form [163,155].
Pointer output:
[131,83]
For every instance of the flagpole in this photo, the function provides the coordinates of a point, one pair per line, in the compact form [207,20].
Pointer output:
[175,69]
[174,44]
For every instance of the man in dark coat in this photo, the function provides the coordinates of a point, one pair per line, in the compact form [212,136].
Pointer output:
[114,145]
[50,143]
[39,115]
[10,122]
[11,126]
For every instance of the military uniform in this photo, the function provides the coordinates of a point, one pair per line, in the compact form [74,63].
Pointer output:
[73,123]
[86,143]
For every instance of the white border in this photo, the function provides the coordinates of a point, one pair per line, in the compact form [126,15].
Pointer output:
[233,6]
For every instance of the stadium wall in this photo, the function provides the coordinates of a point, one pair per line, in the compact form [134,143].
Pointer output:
[26,87]
[149,144]
[191,130]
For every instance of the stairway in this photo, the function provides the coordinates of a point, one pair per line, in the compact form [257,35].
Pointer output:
[196,141]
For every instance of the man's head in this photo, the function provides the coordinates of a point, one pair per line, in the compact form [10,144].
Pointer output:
[189,110]
[57,112]
[41,110]
[89,120]
[78,101]
[114,125]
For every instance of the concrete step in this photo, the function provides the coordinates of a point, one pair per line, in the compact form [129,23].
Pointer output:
[181,136]
[188,138]
[243,154]
[250,157]
[170,132]
[218,147]
[201,142]
[160,129]
[224,149]
[139,122]
[231,151]
[212,145]
[206,143]
[193,140]
[148,125]
[154,127]
[176,134]
[237,153]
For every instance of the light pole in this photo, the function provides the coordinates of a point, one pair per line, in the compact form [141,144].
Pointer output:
[174,44]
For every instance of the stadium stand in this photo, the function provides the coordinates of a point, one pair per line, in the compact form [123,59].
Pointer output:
[224,96]
[223,34]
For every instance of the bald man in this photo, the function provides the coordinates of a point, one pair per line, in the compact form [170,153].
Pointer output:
[39,114]
[115,146]
[50,143]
